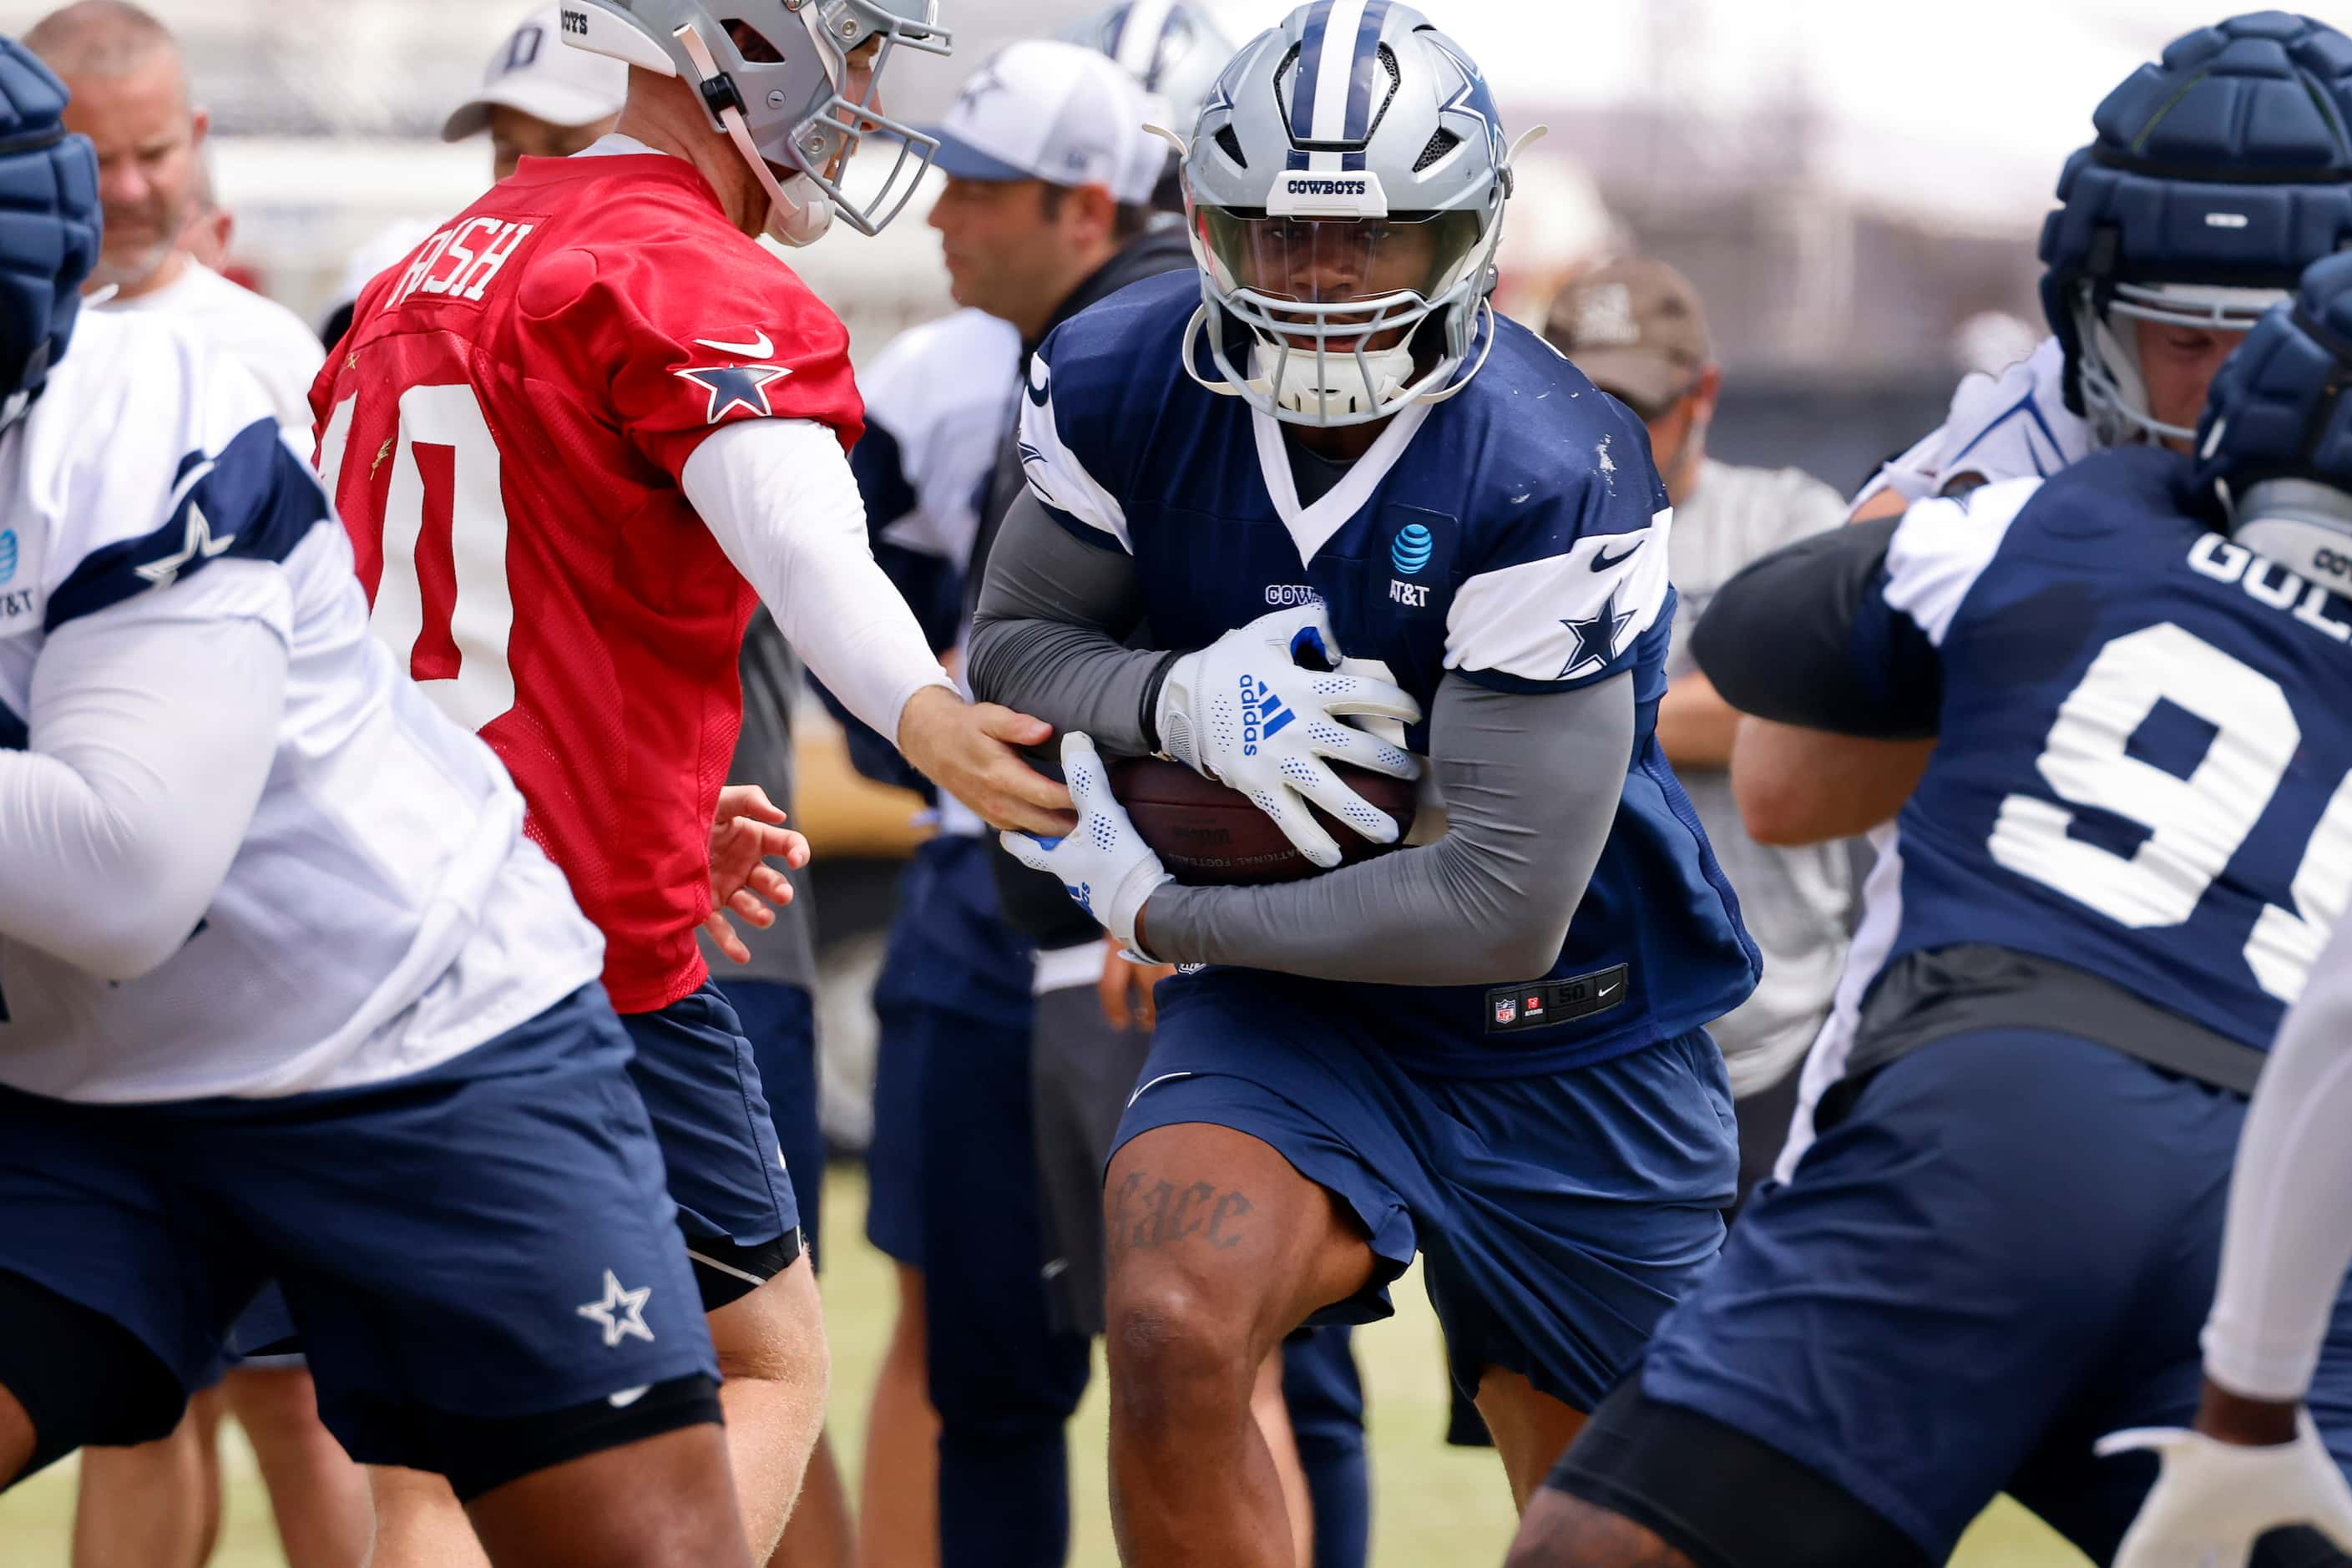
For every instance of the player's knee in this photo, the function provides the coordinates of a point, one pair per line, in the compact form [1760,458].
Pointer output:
[16,1439]
[1172,1347]
[775,1334]
[1562,1532]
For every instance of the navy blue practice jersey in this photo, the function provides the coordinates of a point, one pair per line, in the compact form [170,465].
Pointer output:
[2143,743]
[1514,535]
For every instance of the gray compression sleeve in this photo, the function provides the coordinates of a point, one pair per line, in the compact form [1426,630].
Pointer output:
[1046,636]
[1532,783]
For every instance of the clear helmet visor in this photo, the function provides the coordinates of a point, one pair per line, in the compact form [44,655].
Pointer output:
[1301,266]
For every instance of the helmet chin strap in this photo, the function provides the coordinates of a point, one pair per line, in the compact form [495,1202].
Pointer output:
[794,220]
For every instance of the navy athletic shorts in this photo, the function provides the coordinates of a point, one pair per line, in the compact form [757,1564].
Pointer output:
[2004,1249]
[780,1022]
[701,1086]
[1560,1214]
[488,1239]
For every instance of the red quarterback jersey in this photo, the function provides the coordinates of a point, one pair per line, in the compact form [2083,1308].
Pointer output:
[503,431]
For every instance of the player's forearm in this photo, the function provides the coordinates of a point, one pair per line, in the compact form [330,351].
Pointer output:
[2290,1232]
[1532,785]
[149,749]
[779,497]
[1046,636]
[1780,642]
[1806,787]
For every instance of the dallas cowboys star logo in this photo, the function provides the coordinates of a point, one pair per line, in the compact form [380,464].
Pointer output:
[621,1313]
[983,83]
[197,545]
[1596,638]
[733,386]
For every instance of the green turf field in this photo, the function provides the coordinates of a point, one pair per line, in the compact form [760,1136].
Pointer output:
[1432,1504]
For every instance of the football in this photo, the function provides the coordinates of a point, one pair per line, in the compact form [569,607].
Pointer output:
[1210,836]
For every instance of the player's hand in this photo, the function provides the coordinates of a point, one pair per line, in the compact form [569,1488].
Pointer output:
[968,749]
[1246,712]
[745,834]
[2213,1499]
[1125,988]
[1102,862]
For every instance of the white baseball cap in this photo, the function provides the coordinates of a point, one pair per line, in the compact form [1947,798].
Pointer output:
[1057,112]
[532,71]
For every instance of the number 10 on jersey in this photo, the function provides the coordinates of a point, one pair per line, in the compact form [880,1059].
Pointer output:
[443,604]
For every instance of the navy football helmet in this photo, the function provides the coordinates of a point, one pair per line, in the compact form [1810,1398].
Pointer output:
[2275,445]
[48,225]
[2219,174]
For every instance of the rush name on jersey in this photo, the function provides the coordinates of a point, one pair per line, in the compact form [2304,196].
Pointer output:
[2142,764]
[503,431]
[1514,535]
[384,912]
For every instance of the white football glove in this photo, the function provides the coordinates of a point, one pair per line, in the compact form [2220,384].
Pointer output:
[2214,1501]
[1102,862]
[1246,712]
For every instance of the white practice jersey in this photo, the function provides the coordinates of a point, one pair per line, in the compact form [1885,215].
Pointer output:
[2001,426]
[268,339]
[384,912]
[2014,425]
[941,397]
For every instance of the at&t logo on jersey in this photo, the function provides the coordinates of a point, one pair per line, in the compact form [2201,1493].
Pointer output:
[1264,714]
[1409,554]
[8,554]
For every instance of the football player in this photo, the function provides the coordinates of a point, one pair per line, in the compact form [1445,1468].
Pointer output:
[2173,234]
[2118,869]
[576,436]
[2256,1460]
[285,991]
[1488,1047]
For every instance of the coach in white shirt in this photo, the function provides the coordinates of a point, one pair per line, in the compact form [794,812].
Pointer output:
[130,96]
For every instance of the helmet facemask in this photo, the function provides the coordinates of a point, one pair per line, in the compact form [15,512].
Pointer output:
[804,101]
[1334,307]
[2115,391]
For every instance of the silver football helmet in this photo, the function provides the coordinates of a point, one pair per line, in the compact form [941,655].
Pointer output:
[797,102]
[1171,47]
[1345,186]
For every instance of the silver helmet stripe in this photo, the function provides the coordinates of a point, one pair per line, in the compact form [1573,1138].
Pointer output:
[1140,36]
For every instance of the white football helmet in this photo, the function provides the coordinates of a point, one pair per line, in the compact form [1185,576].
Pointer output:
[1345,186]
[797,104]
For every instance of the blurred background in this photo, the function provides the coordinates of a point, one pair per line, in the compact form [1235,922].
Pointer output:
[1854,187]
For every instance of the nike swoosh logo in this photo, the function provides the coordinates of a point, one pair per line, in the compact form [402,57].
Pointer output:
[627,1396]
[757,348]
[1608,990]
[1602,560]
[1155,1083]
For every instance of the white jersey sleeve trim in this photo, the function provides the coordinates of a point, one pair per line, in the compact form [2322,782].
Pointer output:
[1053,471]
[2289,1240]
[1943,546]
[1564,617]
[154,725]
[779,497]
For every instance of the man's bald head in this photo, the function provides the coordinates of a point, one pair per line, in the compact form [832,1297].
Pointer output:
[129,94]
[100,38]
